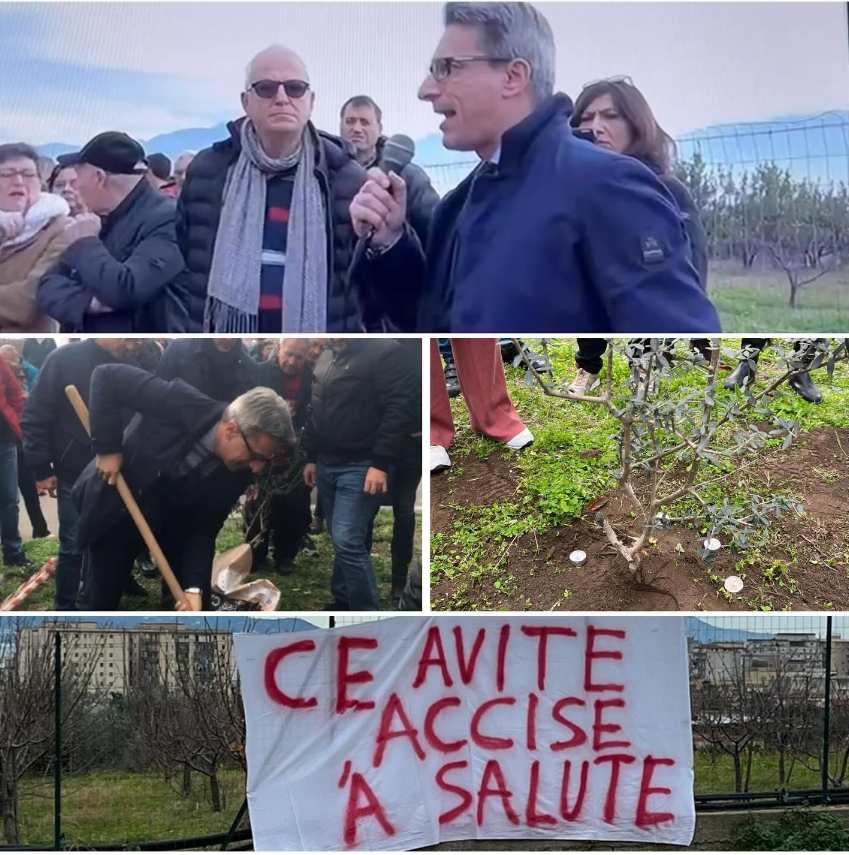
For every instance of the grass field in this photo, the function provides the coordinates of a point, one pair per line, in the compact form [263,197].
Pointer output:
[547,487]
[124,807]
[757,302]
[307,589]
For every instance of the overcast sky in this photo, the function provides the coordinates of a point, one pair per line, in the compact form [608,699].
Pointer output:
[69,70]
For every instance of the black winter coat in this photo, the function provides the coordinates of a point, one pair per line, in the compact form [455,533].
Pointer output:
[55,442]
[129,267]
[36,352]
[199,209]
[173,416]
[220,376]
[364,405]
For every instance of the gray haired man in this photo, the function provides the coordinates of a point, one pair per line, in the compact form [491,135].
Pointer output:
[187,460]
[549,232]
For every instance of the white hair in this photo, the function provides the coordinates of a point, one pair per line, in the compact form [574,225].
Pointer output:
[275,48]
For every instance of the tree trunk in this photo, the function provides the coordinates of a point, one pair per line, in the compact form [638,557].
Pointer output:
[794,290]
[215,792]
[749,752]
[9,800]
[187,780]
[738,772]
[781,766]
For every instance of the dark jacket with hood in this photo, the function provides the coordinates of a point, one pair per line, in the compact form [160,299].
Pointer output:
[128,267]
[199,210]
[220,376]
[559,236]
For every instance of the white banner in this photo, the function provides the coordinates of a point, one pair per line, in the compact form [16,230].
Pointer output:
[402,733]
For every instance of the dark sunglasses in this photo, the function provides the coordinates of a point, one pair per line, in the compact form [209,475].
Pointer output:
[441,67]
[255,456]
[269,88]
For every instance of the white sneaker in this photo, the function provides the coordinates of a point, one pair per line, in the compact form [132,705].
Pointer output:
[439,459]
[521,440]
[584,382]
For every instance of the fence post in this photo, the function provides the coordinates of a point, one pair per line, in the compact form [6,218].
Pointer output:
[57,731]
[826,728]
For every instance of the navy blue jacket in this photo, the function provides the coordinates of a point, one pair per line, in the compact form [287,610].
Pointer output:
[173,416]
[130,267]
[561,237]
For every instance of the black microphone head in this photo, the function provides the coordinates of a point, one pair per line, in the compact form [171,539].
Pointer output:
[397,153]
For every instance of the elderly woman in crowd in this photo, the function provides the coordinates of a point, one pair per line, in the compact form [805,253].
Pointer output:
[32,237]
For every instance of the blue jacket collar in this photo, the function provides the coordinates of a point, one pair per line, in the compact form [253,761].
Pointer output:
[516,141]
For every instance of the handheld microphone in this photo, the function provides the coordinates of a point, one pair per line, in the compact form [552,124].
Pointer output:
[397,153]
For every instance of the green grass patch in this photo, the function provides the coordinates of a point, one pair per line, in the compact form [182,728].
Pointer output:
[127,807]
[758,302]
[307,589]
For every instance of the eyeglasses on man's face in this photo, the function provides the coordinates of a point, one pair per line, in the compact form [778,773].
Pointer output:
[441,67]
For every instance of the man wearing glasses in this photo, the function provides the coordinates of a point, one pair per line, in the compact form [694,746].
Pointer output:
[263,218]
[187,460]
[548,233]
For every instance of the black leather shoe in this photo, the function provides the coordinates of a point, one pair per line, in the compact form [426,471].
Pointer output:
[805,388]
[285,567]
[741,375]
[452,384]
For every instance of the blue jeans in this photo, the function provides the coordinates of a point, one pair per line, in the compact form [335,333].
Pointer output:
[69,567]
[349,513]
[10,535]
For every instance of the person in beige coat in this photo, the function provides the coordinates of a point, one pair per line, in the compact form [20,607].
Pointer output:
[34,230]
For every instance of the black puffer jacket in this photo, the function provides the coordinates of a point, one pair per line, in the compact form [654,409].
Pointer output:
[199,211]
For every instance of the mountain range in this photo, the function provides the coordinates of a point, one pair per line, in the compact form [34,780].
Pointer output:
[707,633]
[812,145]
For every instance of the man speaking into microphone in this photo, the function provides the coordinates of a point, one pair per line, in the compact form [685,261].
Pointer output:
[549,233]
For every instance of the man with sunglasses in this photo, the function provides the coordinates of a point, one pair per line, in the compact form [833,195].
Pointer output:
[548,233]
[187,460]
[263,218]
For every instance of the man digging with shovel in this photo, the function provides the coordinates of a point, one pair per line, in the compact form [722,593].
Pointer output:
[186,458]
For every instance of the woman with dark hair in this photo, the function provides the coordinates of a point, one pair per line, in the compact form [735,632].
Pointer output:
[32,237]
[63,182]
[622,121]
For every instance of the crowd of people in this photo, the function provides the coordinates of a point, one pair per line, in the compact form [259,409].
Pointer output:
[573,220]
[200,427]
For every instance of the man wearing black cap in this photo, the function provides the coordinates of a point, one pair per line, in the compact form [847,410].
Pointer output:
[115,275]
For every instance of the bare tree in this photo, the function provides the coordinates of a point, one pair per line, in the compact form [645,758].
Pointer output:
[190,712]
[27,715]
[666,438]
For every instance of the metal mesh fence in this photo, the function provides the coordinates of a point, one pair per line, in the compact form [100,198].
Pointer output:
[774,203]
[151,729]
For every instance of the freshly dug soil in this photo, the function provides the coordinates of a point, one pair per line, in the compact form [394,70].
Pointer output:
[815,469]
